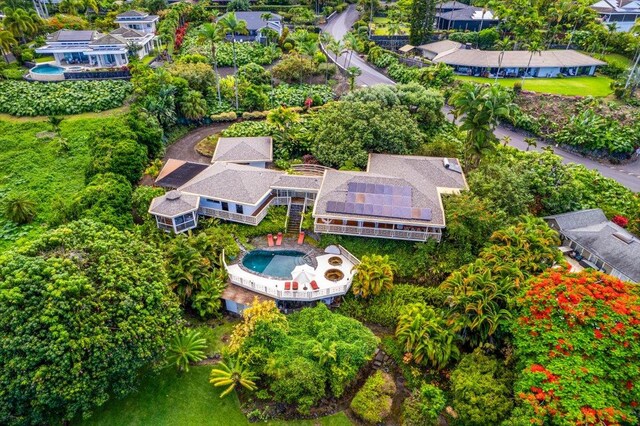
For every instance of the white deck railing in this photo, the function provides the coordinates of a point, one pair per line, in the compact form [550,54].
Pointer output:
[281,294]
[376,232]
[351,258]
[235,217]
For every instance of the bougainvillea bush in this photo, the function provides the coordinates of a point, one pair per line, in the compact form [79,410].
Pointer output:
[578,349]
[22,98]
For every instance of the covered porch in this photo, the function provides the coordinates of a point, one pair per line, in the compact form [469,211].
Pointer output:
[377,229]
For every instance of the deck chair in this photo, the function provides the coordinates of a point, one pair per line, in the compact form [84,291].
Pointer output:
[314,285]
[279,239]
[300,238]
[270,240]
[295,285]
[287,285]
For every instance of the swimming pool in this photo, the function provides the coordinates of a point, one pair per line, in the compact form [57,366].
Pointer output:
[47,69]
[277,263]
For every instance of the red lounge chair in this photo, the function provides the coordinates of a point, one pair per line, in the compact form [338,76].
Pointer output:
[314,285]
[287,285]
[270,240]
[300,238]
[295,285]
[279,239]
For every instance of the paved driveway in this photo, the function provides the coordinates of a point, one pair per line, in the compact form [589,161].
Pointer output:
[185,147]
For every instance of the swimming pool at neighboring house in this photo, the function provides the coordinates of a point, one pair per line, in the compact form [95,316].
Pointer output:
[276,263]
[47,69]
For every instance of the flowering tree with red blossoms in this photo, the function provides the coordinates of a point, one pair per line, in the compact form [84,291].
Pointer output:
[578,346]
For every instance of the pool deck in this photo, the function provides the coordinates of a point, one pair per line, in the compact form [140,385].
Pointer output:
[275,287]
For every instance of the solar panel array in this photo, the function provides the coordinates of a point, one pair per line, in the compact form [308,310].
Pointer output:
[367,199]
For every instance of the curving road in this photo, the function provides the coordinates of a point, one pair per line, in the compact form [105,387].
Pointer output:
[628,175]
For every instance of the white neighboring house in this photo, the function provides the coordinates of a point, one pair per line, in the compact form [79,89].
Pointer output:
[141,22]
[622,13]
[91,48]
[256,23]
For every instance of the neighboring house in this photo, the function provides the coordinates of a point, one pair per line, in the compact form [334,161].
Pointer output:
[141,22]
[256,24]
[466,18]
[605,245]
[622,13]
[398,197]
[512,63]
[91,48]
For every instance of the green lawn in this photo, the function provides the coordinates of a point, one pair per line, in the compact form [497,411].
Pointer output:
[570,86]
[380,26]
[172,400]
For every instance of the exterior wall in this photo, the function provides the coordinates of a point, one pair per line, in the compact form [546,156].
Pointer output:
[236,308]
[177,224]
[140,26]
[232,207]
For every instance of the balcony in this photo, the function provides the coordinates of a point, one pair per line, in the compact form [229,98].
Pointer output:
[252,219]
[395,234]
[267,288]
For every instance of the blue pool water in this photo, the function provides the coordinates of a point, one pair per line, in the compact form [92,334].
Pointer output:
[277,264]
[47,69]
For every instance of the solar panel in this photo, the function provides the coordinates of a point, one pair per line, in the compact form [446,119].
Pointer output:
[426,214]
[361,187]
[349,208]
[331,207]
[359,209]
[351,187]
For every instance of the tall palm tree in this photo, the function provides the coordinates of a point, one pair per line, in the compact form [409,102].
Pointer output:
[185,349]
[351,42]
[20,23]
[533,48]
[89,5]
[213,33]
[502,45]
[236,27]
[232,374]
[353,73]
[336,47]
[7,41]
[72,7]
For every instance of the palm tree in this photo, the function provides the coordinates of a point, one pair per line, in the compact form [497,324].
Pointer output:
[72,7]
[283,119]
[7,41]
[531,142]
[193,105]
[185,267]
[89,5]
[374,274]
[336,47]
[351,42]
[234,26]
[19,208]
[213,33]
[353,72]
[502,45]
[533,47]
[19,22]
[232,374]
[207,300]
[185,349]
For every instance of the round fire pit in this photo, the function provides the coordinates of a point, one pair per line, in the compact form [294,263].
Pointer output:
[334,275]
[335,261]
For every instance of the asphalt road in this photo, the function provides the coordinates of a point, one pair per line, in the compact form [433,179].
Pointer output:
[628,175]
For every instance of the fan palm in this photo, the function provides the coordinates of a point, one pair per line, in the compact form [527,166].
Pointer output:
[7,41]
[19,208]
[185,349]
[213,33]
[235,26]
[232,374]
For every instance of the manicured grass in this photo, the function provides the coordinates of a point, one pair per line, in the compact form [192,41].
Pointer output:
[569,86]
[380,26]
[147,59]
[618,59]
[44,59]
[172,400]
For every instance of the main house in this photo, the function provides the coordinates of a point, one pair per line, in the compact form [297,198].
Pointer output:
[257,23]
[603,244]
[397,197]
[510,63]
[622,13]
[91,48]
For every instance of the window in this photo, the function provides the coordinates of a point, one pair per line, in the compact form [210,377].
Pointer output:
[225,206]
[239,209]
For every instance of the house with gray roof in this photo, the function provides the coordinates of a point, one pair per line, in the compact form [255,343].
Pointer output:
[621,13]
[93,49]
[603,244]
[256,151]
[141,22]
[465,18]
[398,197]
[257,22]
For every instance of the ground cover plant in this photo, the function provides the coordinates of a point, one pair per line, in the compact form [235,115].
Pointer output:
[246,53]
[22,98]
[571,86]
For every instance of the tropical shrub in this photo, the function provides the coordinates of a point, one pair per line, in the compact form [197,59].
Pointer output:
[186,348]
[423,406]
[68,97]
[296,95]
[232,374]
[225,116]
[250,52]
[18,208]
[106,198]
[294,68]
[373,401]
[577,350]
[69,301]
[374,275]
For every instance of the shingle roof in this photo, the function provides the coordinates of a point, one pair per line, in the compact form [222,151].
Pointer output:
[127,33]
[297,182]
[254,19]
[427,177]
[232,182]
[592,230]
[468,13]
[132,14]
[617,6]
[72,35]
[440,46]
[451,5]
[109,40]
[517,59]
[174,203]
[243,150]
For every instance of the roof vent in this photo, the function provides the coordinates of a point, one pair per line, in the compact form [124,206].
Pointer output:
[625,238]
[173,195]
[452,165]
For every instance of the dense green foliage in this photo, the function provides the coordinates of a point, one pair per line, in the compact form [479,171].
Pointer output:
[83,308]
[423,406]
[67,97]
[577,349]
[373,401]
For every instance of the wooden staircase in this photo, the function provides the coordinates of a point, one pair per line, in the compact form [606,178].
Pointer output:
[295,217]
